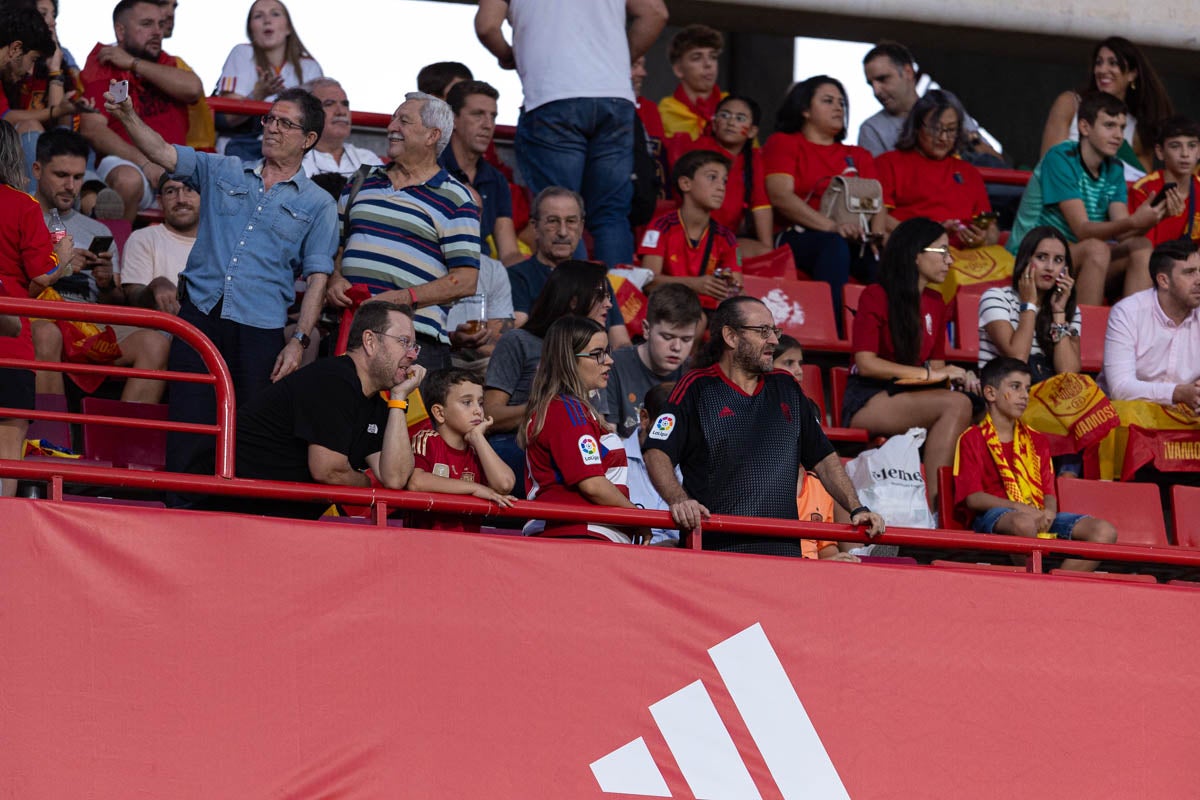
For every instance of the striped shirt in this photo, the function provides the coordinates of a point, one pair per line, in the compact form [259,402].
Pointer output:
[400,238]
[1000,303]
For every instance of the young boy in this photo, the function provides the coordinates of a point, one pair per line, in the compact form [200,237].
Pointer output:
[694,53]
[1178,147]
[456,458]
[1003,478]
[688,246]
[1079,188]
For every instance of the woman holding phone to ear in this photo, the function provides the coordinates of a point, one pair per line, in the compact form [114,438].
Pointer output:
[1036,319]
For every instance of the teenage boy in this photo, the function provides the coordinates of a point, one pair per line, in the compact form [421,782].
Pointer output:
[456,458]
[1079,188]
[1178,147]
[1003,478]
[672,318]
[694,52]
[687,245]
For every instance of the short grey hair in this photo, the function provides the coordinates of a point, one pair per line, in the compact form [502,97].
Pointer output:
[317,83]
[556,191]
[435,113]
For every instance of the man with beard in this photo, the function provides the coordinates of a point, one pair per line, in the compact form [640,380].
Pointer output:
[161,89]
[155,255]
[741,432]
[330,421]
[333,153]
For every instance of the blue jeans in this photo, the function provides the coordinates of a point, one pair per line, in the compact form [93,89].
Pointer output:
[585,144]
[1064,523]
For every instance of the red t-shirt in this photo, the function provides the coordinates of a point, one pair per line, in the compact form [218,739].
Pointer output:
[24,254]
[733,210]
[1171,227]
[444,461]
[3,105]
[812,166]
[163,113]
[666,237]
[871,332]
[571,447]
[976,471]
[916,186]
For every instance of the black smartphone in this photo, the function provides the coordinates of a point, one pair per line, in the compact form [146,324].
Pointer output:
[1162,195]
[100,244]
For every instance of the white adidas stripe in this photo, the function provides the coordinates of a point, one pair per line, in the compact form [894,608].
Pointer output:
[703,748]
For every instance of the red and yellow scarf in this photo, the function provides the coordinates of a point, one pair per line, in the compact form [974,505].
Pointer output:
[1022,478]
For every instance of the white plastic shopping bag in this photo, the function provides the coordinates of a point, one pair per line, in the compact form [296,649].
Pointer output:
[888,480]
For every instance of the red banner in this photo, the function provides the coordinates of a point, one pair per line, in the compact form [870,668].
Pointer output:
[152,653]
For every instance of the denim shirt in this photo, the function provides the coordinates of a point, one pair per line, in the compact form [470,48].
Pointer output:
[252,245]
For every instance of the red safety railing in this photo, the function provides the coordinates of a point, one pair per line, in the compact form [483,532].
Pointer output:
[217,375]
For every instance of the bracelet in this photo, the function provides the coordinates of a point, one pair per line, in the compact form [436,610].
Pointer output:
[928,372]
[400,404]
[858,511]
[55,73]
[412,296]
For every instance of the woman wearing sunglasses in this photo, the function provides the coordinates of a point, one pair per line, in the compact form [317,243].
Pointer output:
[573,458]
[900,379]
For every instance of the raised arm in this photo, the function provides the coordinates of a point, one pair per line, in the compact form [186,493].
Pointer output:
[144,138]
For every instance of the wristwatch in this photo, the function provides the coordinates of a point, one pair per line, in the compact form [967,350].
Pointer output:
[1029,307]
[858,511]
[303,339]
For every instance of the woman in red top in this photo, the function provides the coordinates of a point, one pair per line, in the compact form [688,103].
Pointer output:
[573,458]
[899,375]
[28,264]
[924,177]
[801,159]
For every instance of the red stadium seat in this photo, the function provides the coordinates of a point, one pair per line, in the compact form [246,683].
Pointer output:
[1128,577]
[779,263]
[138,448]
[939,562]
[814,387]
[1133,508]
[966,323]
[803,309]
[851,292]
[52,430]
[1185,510]
[946,518]
[1094,322]
[838,376]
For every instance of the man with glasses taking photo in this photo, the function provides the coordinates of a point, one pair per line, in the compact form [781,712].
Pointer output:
[260,226]
[741,431]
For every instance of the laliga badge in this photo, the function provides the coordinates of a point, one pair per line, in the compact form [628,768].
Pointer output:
[662,427]
[589,450]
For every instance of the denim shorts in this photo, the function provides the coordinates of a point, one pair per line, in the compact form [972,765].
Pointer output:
[1062,527]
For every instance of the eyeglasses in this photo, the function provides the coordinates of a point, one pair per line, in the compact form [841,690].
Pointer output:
[729,115]
[938,132]
[175,191]
[764,331]
[284,124]
[405,342]
[554,222]
[600,355]
[944,252]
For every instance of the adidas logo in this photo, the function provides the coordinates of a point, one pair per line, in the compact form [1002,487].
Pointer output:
[726,412]
[703,747]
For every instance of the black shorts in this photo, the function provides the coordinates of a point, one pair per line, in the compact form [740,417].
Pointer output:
[16,388]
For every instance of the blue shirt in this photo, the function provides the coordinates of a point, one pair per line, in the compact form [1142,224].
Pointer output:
[491,185]
[252,244]
[529,277]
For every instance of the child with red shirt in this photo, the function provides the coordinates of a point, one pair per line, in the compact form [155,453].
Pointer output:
[1178,147]
[1003,477]
[694,53]
[688,246]
[456,458]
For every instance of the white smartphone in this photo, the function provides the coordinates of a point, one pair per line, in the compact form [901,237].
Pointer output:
[119,91]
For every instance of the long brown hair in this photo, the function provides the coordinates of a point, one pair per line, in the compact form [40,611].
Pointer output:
[558,371]
[294,51]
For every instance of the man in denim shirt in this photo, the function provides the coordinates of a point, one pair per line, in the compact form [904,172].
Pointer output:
[260,228]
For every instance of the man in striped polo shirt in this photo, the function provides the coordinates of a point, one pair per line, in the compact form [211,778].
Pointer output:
[1079,188]
[411,231]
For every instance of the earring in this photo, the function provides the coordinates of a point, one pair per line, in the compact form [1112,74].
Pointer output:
[1132,85]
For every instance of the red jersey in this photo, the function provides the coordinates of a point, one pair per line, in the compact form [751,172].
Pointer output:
[166,115]
[916,186]
[732,212]
[812,166]
[975,470]
[3,105]
[444,461]
[25,251]
[872,334]
[1169,228]
[571,447]
[666,237]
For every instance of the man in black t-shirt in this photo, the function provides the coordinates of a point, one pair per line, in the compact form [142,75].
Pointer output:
[328,422]
[741,432]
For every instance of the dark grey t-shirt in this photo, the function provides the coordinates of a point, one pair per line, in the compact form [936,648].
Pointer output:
[513,363]
[628,383]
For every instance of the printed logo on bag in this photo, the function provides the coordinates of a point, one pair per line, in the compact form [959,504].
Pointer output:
[589,449]
[662,427]
[894,474]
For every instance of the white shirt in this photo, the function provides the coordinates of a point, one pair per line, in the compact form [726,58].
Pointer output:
[1001,303]
[239,75]
[155,252]
[352,158]
[1146,355]
[568,49]
[641,490]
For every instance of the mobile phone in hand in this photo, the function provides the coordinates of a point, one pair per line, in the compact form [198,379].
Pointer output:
[100,244]
[1162,195]
[119,91]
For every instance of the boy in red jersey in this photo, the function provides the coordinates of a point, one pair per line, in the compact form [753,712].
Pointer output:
[1003,478]
[456,458]
[688,246]
[1178,147]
